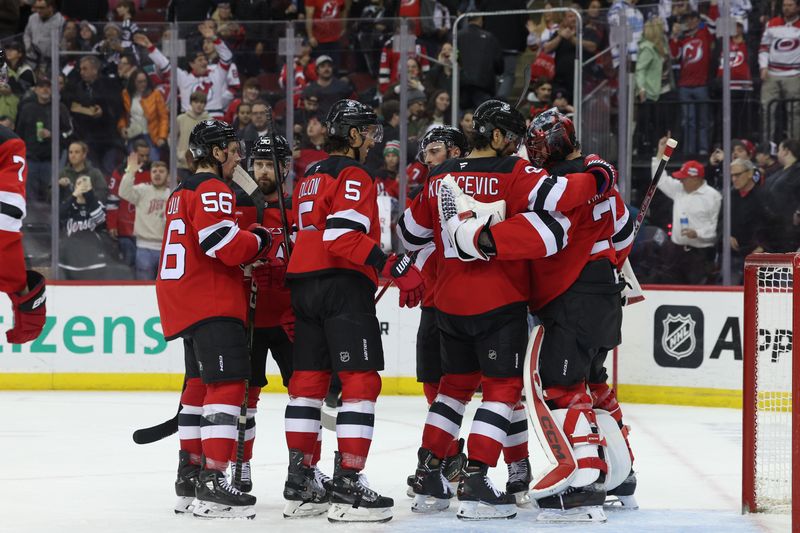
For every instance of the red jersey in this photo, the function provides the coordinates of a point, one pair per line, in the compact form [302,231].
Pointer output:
[200,276]
[388,72]
[694,53]
[478,287]
[417,174]
[302,77]
[327,26]
[13,175]
[741,78]
[271,304]
[387,186]
[410,9]
[120,213]
[336,212]
[308,156]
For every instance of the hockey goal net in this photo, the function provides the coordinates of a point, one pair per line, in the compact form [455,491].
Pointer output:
[771,400]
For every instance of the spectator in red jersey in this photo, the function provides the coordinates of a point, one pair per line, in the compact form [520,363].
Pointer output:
[250,93]
[692,46]
[779,61]
[741,79]
[324,27]
[389,71]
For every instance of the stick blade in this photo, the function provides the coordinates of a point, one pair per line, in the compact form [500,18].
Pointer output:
[157,432]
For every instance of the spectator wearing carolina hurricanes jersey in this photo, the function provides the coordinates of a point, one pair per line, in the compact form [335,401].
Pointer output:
[692,46]
[200,299]
[333,275]
[779,63]
[273,301]
[25,288]
[472,323]
[219,81]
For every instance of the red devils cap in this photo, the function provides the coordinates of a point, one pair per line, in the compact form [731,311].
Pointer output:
[690,169]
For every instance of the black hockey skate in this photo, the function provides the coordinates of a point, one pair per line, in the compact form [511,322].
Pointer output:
[353,501]
[306,490]
[185,483]
[480,500]
[621,497]
[246,481]
[575,504]
[519,482]
[216,498]
[452,469]
[431,490]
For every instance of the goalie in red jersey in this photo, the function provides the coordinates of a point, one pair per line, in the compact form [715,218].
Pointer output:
[200,299]
[25,288]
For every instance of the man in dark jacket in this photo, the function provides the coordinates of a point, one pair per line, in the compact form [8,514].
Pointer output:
[480,60]
[784,190]
[512,35]
[35,127]
[752,220]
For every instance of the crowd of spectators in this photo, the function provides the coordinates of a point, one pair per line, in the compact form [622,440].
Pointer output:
[114,76]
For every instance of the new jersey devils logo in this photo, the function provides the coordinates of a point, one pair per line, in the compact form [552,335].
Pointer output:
[786,45]
[692,51]
[329,10]
[678,339]
[737,59]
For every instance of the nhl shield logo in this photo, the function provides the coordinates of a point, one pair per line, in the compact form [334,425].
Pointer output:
[678,338]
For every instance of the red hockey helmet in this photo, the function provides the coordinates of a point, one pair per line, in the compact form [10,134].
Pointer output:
[550,138]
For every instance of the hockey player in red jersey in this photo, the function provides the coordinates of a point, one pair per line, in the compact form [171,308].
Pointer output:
[273,303]
[25,288]
[200,299]
[576,295]
[484,333]
[333,275]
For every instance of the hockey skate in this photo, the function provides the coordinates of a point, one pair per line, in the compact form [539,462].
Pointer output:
[621,497]
[519,482]
[353,501]
[306,489]
[431,490]
[186,483]
[246,482]
[452,469]
[480,500]
[216,498]
[576,504]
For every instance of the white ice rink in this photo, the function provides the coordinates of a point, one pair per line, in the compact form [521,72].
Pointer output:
[70,466]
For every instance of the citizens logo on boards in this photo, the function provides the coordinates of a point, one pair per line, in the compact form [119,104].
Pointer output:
[678,336]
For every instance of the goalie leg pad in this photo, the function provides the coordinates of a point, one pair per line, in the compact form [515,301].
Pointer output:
[463,217]
[605,398]
[616,451]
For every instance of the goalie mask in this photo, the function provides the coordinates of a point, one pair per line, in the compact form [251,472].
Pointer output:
[550,138]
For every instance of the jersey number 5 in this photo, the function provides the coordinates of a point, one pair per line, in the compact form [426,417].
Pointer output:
[173,262]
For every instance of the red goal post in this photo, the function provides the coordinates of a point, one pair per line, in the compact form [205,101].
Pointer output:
[771,386]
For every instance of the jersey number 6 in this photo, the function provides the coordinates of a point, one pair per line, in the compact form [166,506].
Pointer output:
[173,264]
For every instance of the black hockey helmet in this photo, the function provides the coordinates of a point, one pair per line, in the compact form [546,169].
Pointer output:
[550,138]
[346,114]
[210,133]
[262,149]
[495,114]
[450,136]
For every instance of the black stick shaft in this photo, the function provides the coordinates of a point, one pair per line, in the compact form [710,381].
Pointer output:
[287,237]
[651,190]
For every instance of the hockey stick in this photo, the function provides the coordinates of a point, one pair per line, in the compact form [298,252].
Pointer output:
[159,431]
[287,237]
[651,190]
[526,85]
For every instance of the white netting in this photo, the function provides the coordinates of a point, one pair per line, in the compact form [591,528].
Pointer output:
[773,425]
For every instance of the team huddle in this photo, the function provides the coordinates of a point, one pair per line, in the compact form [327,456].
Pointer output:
[492,238]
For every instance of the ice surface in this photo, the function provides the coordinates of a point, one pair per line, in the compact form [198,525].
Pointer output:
[70,466]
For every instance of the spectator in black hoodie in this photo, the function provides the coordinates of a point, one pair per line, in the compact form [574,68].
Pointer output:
[480,61]
[82,254]
[510,32]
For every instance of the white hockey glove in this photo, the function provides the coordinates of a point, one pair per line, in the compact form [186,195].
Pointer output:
[464,218]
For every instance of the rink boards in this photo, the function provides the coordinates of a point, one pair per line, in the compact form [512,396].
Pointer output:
[680,346]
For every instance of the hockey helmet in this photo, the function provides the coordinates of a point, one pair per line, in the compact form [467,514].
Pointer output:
[550,138]
[450,136]
[210,133]
[495,114]
[346,114]
[262,149]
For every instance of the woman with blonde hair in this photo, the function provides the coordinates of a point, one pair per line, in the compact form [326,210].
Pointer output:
[652,71]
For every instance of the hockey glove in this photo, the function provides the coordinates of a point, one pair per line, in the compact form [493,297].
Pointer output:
[29,311]
[604,173]
[270,275]
[287,323]
[264,241]
[407,277]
